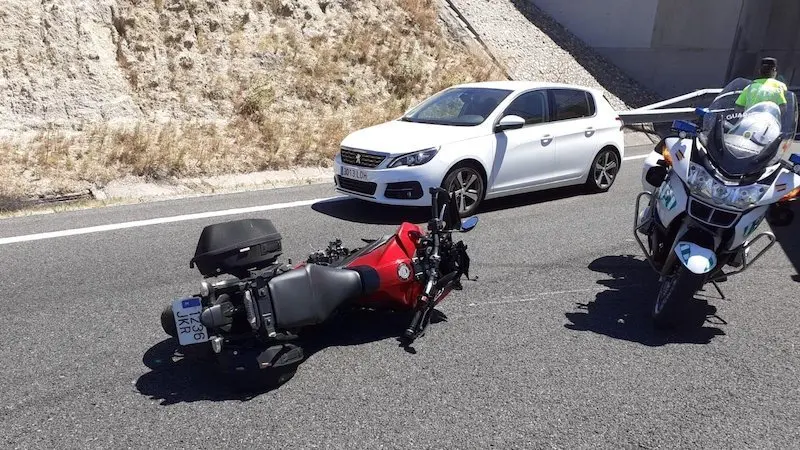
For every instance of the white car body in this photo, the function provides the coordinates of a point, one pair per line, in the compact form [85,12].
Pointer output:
[537,156]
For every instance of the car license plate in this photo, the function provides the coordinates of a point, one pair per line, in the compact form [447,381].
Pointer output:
[351,172]
[186,312]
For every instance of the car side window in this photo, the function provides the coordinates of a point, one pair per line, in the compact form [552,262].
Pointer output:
[531,106]
[572,104]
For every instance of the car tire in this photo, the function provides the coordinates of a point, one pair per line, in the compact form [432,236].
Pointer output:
[603,171]
[469,175]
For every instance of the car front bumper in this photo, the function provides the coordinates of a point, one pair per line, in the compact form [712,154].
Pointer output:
[407,186]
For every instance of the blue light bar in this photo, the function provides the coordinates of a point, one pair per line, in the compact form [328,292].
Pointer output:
[682,125]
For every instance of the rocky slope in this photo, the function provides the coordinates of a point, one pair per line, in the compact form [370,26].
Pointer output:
[73,62]
[96,90]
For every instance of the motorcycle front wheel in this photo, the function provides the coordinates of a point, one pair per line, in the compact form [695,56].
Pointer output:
[672,304]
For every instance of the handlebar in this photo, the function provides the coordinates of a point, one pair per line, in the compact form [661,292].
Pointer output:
[438,190]
[435,192]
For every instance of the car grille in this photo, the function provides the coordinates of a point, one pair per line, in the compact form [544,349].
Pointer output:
[710,215]
[361,187]
[362,159]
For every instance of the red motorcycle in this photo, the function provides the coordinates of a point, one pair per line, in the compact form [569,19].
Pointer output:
[252,317]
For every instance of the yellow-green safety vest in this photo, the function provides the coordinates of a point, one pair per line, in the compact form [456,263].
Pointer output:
[763,89]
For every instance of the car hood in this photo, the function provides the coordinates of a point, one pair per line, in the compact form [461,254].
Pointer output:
[398,137]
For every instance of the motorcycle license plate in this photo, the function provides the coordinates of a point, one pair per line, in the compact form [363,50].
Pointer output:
[186,312]
[352,172]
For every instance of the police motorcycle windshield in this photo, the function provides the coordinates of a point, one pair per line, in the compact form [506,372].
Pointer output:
[744,143]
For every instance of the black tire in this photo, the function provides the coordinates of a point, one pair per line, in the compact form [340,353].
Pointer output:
[603,171]
[168,322]
[672,305]
[456,178]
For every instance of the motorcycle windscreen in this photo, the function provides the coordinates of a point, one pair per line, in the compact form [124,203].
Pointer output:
[742,142]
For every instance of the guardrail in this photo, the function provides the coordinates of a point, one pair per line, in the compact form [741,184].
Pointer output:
[657,113]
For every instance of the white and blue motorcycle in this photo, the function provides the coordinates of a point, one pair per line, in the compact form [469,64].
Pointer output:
[709,187]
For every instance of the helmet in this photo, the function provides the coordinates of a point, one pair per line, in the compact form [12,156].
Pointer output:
[759,127]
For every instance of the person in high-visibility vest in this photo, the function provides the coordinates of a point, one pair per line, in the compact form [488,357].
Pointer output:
[765,87]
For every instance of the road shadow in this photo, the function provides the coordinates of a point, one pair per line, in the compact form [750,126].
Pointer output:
[607,74]
[788,238]
[531,198]
[623,310]
[176,378]
[361,211]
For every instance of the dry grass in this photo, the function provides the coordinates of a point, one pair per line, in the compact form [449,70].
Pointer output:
[362,73]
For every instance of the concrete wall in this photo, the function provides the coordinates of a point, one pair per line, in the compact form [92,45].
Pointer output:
[677,46]
[605,23]
[768,28]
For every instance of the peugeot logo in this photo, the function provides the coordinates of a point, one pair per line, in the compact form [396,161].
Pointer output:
[358,158]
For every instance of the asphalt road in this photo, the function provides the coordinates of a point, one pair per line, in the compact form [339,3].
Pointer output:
[550,347]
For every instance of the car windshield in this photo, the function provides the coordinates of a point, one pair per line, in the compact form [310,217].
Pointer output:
[463,106]
[742,142]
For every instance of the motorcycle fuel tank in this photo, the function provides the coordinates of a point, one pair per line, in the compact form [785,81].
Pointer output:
[393,260]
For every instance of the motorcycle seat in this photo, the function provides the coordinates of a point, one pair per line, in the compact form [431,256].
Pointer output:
[309,294]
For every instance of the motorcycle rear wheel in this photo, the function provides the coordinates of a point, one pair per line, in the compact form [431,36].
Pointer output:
[671,307]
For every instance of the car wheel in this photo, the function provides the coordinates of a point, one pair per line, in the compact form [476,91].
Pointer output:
[466,182]
[603,171]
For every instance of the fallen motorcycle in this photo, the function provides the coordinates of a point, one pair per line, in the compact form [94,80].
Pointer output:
[709,187]
[252,317]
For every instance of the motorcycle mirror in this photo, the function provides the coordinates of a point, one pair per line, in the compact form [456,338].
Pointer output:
[468,224]
[780,216]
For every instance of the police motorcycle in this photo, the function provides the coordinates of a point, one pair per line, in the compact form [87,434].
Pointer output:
[708,188]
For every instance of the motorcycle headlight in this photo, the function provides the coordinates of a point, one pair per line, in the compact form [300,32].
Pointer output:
[699,181]
[746,197]
[415,159]
[702,184]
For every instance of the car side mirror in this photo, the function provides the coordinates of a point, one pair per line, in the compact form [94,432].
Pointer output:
[510,122]
[468,224]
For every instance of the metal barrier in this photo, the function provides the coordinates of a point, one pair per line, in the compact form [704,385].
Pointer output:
[682,108]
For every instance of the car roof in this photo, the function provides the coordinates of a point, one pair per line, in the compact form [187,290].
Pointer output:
[521,85]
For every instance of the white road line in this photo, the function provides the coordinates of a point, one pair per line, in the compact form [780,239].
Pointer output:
[160,220]
[181,218]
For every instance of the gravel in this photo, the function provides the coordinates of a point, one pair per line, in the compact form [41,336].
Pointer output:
[536,47]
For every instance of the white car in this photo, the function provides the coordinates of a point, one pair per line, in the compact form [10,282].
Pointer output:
[485,140]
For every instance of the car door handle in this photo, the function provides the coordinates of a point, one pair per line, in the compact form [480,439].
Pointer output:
[546,139]
[589,131]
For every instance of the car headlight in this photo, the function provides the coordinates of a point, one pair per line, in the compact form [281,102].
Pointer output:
[416,158]
[702,184]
